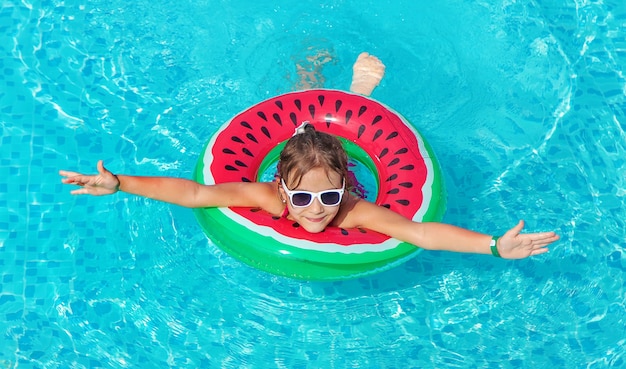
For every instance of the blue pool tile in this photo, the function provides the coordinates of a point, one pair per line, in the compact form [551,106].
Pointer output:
[5,298]
[17,315]
[29,292]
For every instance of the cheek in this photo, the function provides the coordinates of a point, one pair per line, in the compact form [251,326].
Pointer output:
[295,212]
[332,212]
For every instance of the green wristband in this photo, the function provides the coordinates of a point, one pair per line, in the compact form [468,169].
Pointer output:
[494,246]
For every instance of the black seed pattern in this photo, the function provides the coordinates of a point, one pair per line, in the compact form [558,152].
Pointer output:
[279,104]
[384,152]
[262,115]
[251,137]
[361,130]
[393,134]
[362,230]
[396,190]
[362,110]
[295,225]
[231,168]
[255,210]
[292,116]
[245,179]
[337,106]
[266,132]
[376,119]
[226,150]
[237,139]
[277,119]
[240,163]
[312,110]
[298,104]
[247,152]
[386,206]
[329,120]
[320,98]
[344,232]
[377,134]
[245,124]
[348,115]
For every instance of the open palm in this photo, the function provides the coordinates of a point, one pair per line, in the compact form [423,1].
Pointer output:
[103,183]
[515,245]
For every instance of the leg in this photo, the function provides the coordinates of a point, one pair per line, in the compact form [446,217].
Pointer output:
[310,71]
[368,71]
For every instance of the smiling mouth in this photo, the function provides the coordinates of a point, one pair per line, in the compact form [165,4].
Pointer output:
[315,220]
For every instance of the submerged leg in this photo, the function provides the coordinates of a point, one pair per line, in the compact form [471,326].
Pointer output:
[310,71]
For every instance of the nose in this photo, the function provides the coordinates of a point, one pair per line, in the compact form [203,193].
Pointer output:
[316,206]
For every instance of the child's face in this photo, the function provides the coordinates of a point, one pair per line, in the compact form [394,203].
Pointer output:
[315,217]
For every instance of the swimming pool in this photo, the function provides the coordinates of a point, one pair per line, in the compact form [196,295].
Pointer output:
[524,102]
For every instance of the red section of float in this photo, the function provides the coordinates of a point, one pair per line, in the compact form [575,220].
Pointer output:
[241,146]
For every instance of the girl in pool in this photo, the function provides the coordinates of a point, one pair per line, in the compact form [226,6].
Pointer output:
[313,189]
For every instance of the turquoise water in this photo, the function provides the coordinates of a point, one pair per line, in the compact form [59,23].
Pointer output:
[524,103]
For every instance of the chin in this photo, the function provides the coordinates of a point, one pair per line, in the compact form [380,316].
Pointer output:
[316,229]
[313,227]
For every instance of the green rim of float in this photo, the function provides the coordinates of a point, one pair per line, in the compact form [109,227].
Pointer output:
[407,174]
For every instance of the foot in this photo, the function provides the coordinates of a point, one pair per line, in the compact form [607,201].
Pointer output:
[368,71]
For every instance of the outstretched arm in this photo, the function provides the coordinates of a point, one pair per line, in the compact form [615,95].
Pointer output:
[512,245]
[172,190]
[438,236]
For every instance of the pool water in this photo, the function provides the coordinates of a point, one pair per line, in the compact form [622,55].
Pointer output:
[524,102]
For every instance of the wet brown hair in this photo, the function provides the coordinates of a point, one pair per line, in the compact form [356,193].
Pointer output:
[310,149]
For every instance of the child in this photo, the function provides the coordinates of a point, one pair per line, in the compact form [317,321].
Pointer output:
[313,189]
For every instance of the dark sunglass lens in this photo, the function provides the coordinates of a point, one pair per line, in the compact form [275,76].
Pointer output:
[331,198]
[301,199]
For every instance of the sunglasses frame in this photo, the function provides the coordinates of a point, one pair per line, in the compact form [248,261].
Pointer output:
[314,195]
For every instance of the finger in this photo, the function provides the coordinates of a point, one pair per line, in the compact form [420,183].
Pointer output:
[513,232]
[80,191]
[78,178]
[544,242]
[539,251]
[544,236]
[71,180]
[66,173]
[81,180]
[101,168]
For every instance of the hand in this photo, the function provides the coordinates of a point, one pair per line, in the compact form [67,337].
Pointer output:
[104,183]
[514,245]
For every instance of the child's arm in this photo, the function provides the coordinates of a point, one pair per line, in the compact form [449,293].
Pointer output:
[172,190]
[439,236]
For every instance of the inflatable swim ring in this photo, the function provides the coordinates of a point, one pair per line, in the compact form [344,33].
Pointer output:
[406,171]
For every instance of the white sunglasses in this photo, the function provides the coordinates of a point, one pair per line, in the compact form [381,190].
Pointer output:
[302,199]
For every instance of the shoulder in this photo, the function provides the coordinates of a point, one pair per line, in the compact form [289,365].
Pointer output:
[259,190]
[359,213]
[267,197]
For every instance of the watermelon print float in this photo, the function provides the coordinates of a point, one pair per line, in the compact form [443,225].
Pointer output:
[406,171]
